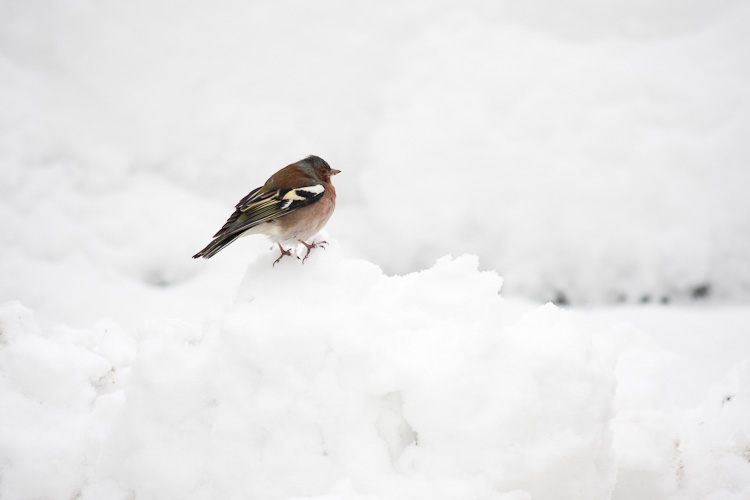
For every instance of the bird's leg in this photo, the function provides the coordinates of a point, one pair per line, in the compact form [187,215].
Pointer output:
[311,246]
[283,253]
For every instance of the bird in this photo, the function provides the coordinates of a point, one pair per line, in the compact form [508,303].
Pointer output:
[292,206]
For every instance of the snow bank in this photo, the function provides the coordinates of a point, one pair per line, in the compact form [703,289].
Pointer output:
[324,379]
[666,453]
[332,380]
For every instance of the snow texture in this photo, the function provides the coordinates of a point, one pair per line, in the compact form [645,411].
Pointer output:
[332,380]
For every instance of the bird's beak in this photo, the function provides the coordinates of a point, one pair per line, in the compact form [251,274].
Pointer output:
[334,171]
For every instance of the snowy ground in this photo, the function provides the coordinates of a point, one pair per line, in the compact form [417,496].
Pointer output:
[588,155]
[333,380]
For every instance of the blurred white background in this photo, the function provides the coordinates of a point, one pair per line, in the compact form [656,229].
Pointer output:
[588,152]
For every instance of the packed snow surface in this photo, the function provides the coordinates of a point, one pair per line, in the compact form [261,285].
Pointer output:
[331,380]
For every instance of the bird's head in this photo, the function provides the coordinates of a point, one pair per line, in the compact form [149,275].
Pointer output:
[320,168]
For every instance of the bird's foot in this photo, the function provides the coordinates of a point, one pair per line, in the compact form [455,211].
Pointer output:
[283,253]
[312,245]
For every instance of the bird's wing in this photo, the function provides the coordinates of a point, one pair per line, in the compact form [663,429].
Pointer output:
[265,205]
[252,195]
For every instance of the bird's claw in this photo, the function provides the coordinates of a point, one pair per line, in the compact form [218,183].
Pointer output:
[311,246]
[283,253]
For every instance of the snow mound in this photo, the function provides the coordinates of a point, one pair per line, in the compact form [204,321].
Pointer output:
[331,380]
[328,379]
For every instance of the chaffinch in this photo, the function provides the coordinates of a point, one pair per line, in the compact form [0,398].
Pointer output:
[292,206]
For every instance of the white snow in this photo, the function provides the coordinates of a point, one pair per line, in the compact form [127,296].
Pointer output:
[585,152]
[334,380]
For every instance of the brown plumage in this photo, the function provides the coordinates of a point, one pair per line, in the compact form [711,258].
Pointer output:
[292,206]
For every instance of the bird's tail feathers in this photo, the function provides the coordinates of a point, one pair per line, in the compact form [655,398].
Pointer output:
[216,246]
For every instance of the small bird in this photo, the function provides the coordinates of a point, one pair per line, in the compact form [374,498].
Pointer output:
[292,206]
